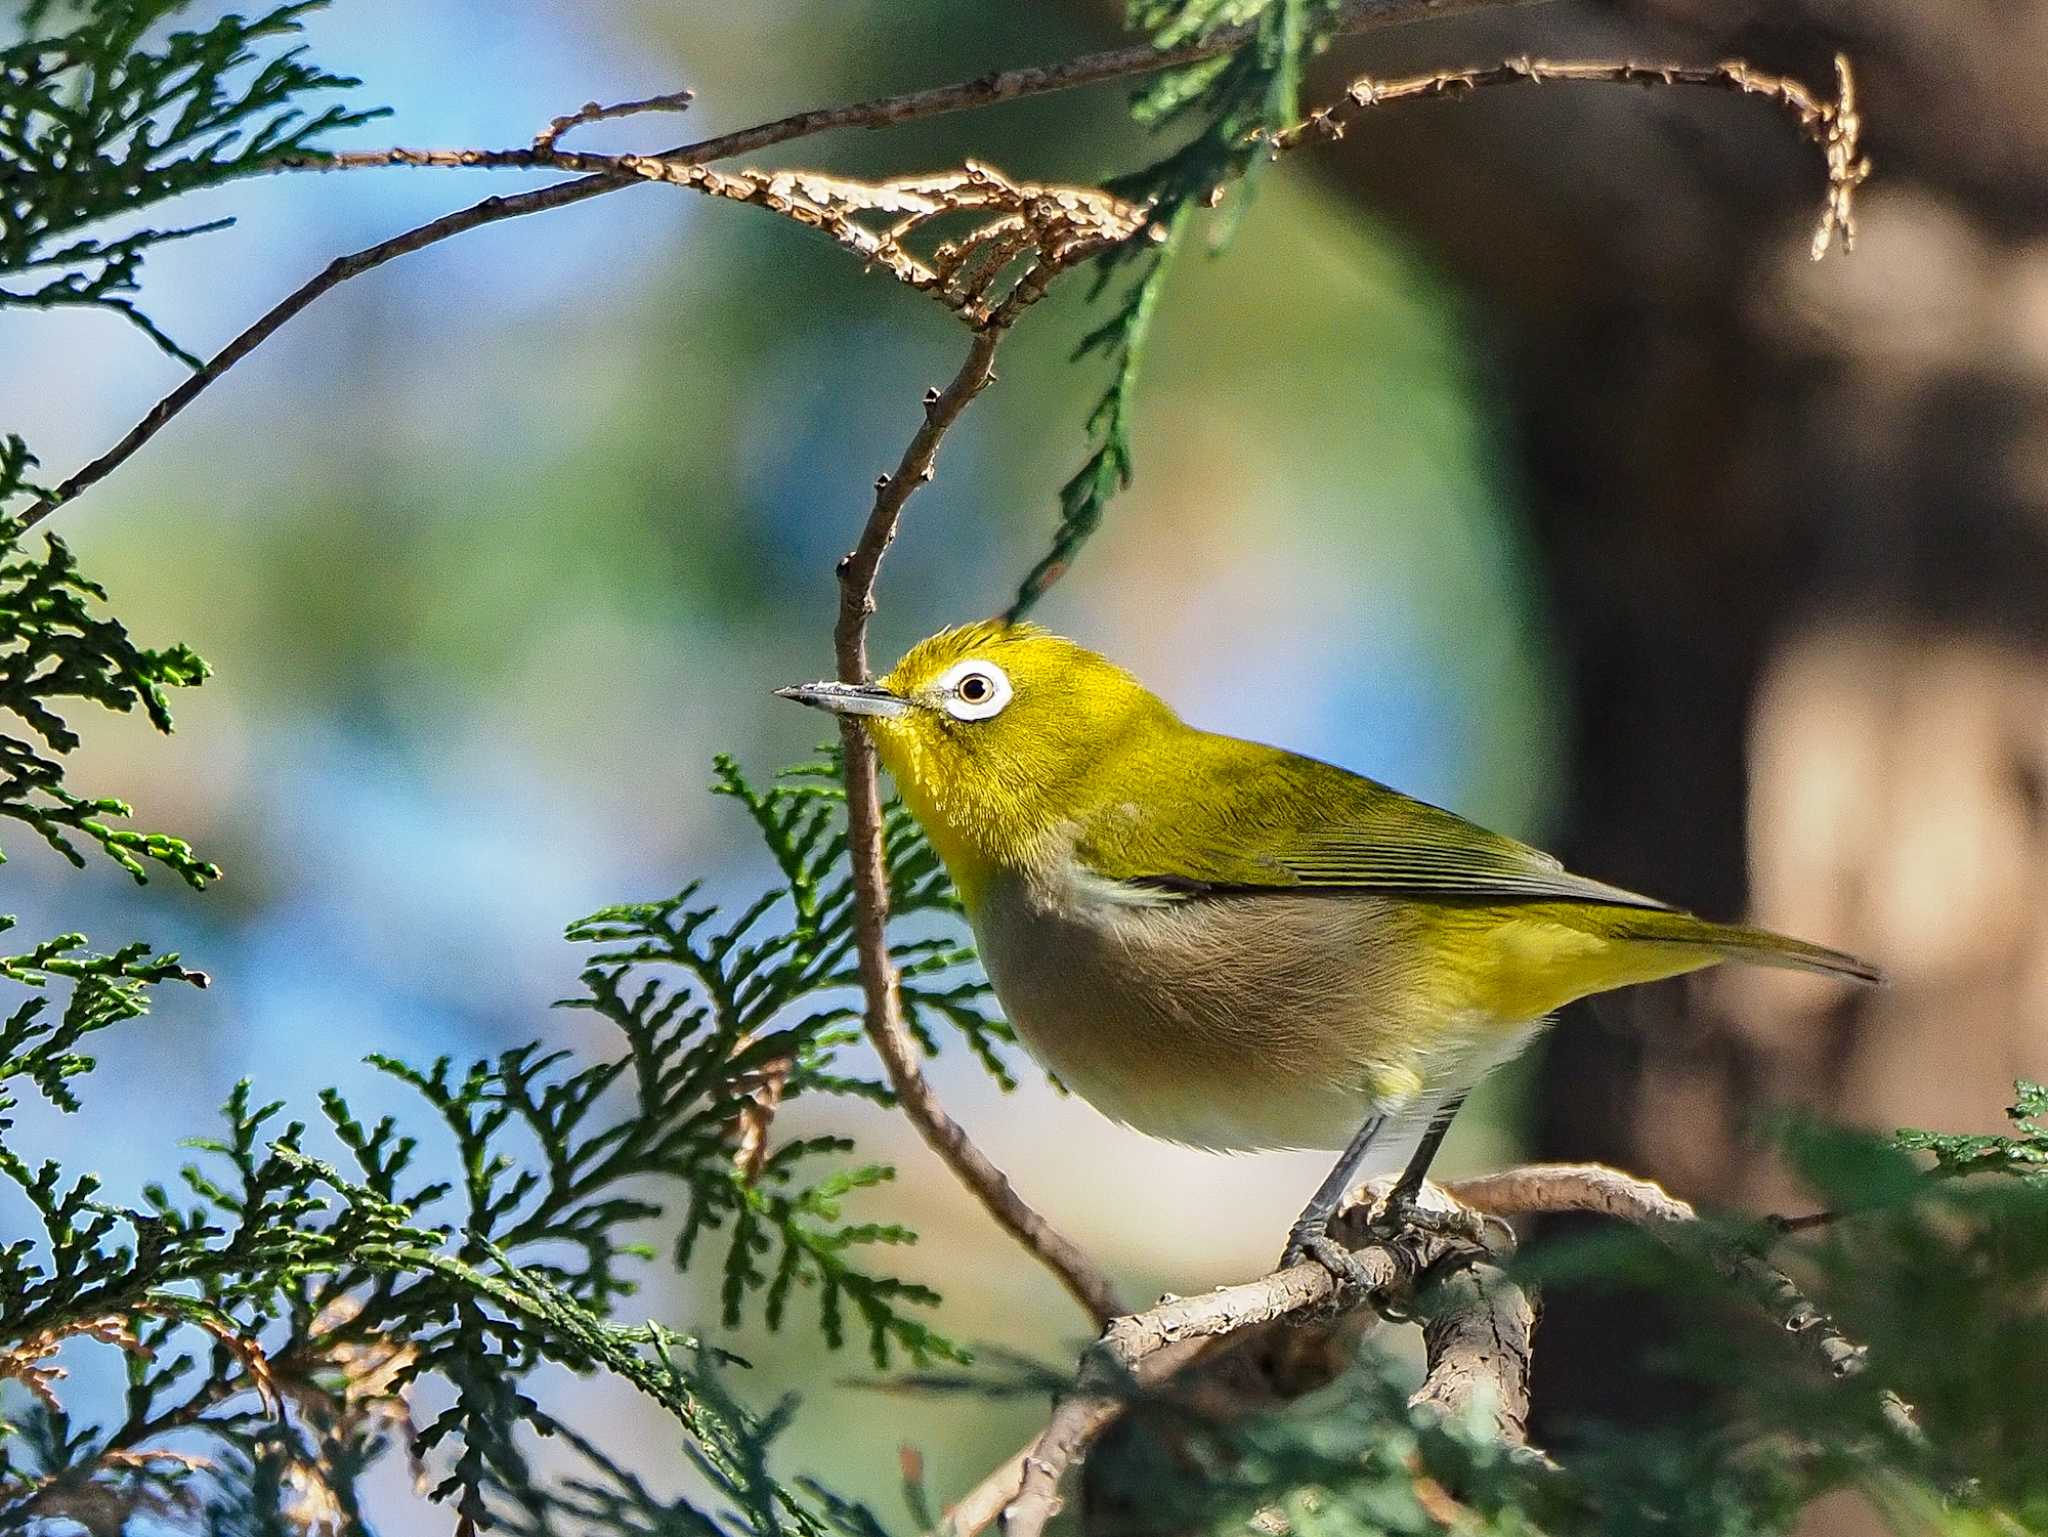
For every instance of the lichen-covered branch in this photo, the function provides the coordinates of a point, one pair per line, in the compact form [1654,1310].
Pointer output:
[1057,224]
[1478,1329]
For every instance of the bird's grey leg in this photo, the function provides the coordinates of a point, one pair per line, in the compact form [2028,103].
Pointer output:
[1402,1208]
[1309,1237]
[1409,1185]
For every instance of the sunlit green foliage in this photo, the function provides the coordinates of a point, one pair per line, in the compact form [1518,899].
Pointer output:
[2024,1152]
[15,464]
[106,109]
[1234,100]
[57,646]
[105,989]
[296,1271]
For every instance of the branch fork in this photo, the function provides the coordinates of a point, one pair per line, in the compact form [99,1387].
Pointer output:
[1064,224]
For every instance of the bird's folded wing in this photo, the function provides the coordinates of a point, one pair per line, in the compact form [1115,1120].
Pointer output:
[1247,817]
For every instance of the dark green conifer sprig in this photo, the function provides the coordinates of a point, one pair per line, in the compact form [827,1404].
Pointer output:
[278,1308]
[2023,1153]
[115,113]
[730,1448]
[57,646]
[279,1300]
[15,463]
[105,989]
[1237,98]
[761,1003]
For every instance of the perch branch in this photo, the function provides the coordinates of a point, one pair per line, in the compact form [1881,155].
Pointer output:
[1110,1369]
[983,90]
[1835,126]
[1592,1187]
[1477,1329]
[1250,1370]
[885,1023]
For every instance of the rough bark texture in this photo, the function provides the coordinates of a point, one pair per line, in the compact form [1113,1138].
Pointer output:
[1794,521]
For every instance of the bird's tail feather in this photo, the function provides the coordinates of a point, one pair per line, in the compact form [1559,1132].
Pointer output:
[1753,946]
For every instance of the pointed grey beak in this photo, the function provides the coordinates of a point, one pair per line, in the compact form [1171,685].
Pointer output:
[847,698]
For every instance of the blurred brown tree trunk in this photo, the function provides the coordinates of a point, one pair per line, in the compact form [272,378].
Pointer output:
[1795,526]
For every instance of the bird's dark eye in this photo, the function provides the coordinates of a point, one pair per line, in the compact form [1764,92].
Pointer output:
[975,691]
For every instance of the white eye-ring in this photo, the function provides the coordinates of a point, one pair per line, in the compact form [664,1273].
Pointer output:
[974,690]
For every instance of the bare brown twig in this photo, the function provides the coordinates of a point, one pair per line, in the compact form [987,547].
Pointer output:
[1835,126]
[983,90]
[592,112]
[885,1023]
[1002,85]
[1803,1222]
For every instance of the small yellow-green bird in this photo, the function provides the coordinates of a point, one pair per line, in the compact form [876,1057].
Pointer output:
[1234,946]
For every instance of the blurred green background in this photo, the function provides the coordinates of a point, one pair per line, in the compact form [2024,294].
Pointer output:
[494,548]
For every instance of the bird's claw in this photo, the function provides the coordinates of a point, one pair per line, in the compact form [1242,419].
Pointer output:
[1312,1242]
[1400,1215]
[1403,1212]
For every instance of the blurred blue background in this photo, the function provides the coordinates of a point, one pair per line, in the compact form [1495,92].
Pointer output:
[494,548]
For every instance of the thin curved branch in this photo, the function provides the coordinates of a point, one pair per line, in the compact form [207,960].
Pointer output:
[884,1004]
[984,90]
[1835,127]
[1002,85]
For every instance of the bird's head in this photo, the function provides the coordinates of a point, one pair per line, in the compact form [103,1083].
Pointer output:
[996,734]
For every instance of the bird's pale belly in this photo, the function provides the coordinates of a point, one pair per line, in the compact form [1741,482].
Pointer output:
[1234,1022]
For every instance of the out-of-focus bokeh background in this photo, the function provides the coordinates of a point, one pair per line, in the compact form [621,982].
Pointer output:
[1513,453]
